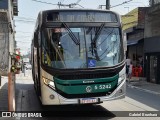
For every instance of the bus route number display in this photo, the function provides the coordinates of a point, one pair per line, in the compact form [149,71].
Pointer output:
[81,17]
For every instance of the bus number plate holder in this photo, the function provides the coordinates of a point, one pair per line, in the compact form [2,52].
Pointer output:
[88,100]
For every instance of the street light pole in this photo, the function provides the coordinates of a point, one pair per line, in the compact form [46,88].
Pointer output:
[107,4]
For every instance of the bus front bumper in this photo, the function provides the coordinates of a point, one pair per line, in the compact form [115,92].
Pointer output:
[118,93]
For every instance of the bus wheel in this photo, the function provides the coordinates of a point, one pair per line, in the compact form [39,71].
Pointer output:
[38,87]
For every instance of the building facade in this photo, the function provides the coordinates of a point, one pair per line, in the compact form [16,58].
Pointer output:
[8,9]
[153,2]
[133,25]
[142,28]
[152,42]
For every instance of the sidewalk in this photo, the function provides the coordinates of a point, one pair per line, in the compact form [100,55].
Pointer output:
[142,84]
[4,94]
[20,79]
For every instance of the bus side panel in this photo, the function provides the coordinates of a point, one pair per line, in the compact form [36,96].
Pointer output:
[46,92]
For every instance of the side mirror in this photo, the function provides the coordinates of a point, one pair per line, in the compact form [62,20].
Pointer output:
[35,39]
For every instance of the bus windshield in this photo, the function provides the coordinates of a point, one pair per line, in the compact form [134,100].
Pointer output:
[81,47]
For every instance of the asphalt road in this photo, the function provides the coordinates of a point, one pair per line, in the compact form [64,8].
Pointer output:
[149,99]
[135,101]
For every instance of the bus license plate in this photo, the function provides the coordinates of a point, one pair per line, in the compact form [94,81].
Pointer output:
[88,100]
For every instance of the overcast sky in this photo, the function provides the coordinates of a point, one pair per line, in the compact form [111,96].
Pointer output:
[29,9]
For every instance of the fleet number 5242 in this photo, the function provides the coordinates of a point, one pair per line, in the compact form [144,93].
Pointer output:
[102,87]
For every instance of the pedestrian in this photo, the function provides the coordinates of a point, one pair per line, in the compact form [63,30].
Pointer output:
[128,62]
[130,72]
[23,68]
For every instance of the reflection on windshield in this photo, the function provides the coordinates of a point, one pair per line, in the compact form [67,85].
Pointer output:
[59,49]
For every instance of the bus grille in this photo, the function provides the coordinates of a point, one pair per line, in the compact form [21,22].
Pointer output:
[75,76]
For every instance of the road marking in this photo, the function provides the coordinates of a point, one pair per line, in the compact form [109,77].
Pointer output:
[138,104]
[149,91]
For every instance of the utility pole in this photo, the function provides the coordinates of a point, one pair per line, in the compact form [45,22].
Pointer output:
[0,80]
[59,5]
[107,4]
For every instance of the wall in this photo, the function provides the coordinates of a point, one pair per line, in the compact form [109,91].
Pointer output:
[154,2]
[4,43]
[152,22]
[152,44]
[130,19]
[7,29]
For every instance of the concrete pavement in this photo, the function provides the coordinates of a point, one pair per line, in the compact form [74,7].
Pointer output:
[4,94]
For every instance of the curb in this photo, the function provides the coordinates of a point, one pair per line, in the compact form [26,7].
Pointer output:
[149,91]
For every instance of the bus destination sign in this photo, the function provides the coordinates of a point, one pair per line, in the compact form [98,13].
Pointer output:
[81,17]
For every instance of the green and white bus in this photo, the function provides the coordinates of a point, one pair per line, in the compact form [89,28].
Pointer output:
[78,57]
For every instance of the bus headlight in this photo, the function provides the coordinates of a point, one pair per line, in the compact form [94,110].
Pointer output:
[48,82]
[121,78]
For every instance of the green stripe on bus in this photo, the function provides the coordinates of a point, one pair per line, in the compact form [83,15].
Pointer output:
[83,81]
[82,89]
[77,87]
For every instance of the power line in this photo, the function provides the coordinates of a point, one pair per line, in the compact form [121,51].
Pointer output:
[23,36]
[121,3]
[61,1]
[20,43]
[24,32]
[80,5]
[25,18]
[60,4]
[71,5]
[43,2]
[25,21]
[23,41]
[78,1]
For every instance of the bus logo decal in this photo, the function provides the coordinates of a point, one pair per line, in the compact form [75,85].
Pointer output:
[88,81]
[88,89]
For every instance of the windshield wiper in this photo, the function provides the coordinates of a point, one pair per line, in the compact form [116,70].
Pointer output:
[71,34]
[93,42]
[98,33]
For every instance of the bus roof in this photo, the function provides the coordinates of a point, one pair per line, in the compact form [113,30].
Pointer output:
[79,9]
[70,9]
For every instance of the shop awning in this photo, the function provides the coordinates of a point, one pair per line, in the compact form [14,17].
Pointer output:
[133,41]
